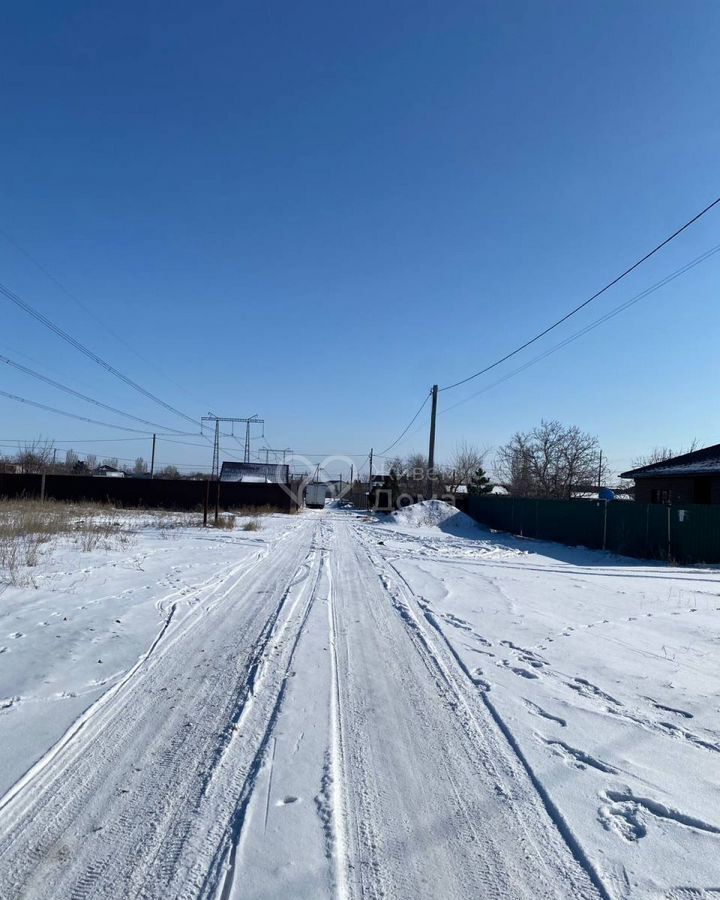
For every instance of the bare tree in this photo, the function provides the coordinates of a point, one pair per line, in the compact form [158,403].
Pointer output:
[71,459]
[168,472]
[36,456]
[463,465]
[549,461]
[140,467]
[410,474]
[660,454]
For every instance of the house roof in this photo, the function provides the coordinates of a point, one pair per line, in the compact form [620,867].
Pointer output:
[699,462]
[262,473]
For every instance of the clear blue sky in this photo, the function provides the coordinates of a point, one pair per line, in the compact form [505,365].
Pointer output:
[314,211]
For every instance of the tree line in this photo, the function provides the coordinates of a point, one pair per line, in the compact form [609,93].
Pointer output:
[40,456]
[551,461]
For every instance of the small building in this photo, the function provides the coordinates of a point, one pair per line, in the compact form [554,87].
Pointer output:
[108,472]
[689,478]
[337,487]
[256,473]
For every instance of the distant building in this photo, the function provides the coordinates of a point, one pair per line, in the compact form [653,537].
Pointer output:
[689,478]
[500,490]
[257,473]
[337,487]
[108,472]
[495,489]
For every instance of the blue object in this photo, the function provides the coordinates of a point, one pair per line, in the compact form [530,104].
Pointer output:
[606,494]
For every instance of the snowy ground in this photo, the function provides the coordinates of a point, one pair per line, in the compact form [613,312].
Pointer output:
[340,706]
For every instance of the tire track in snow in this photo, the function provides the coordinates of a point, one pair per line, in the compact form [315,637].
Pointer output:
[113,813]
[207,589]
[243,763]
[403,599]
[438,804]
[336,755]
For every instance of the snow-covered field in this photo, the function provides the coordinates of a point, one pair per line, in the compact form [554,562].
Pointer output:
[345,706]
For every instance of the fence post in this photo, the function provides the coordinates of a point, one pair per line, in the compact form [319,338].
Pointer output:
[669,542]
[605,503]
[42,488]
[206,503]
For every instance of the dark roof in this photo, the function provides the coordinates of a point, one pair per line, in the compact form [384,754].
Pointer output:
[274,473]
[699,462]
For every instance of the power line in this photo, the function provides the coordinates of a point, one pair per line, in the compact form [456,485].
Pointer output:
[112,440]
[43,319]
[586,302]
[407,428]
[587,328]
[591,326]
[69,390]
[584,330]
[86,309]
[70,415]
[183,443]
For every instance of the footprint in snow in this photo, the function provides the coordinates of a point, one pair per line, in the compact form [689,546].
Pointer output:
[518,670]
[628,815]
[286,801]
[543,713]
[16,634]
[671,709]
[579,758]
[523,673]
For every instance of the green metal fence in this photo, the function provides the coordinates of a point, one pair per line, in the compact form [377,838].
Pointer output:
[684,534]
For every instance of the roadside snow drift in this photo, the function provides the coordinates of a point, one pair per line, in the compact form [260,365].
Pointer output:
[435,514]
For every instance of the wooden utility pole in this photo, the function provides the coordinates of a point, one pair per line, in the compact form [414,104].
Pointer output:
[431,448]
[152,458]
[370,479]
[599,474]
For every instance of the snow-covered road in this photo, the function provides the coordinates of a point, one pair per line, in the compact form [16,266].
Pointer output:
[341,708]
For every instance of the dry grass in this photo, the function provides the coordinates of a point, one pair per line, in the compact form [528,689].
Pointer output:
[227,522]
[258,511]
[28,527]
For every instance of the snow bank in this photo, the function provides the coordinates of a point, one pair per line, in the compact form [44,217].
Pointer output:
[434,514]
